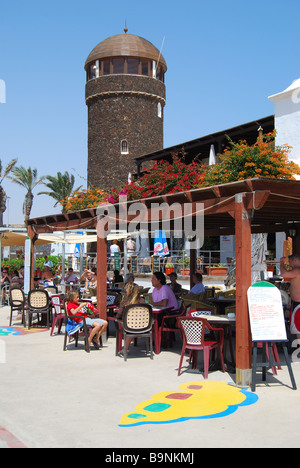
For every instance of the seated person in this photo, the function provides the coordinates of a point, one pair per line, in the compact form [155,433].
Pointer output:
[98,325]
[21,272]
[15,278]
[57,276]
[176,287]
[132,297]
[162,295]
[5,281]
[198,287]
[129,278]
[71,277]
[85,274]
[5,277]
[47,276]
[90,282]
[38,274]
[117,277]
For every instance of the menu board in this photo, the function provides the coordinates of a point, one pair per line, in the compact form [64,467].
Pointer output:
[134,264]
[117,261]
[266,313]
[155,263]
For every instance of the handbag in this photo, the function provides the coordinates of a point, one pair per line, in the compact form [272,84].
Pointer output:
[90,310]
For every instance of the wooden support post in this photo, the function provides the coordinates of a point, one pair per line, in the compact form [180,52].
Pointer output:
[243,282]
[193,266]
[102,277]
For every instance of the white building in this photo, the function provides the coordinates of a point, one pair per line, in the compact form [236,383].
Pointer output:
[287,118]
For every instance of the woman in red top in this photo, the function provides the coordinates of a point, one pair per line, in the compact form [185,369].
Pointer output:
[75,308]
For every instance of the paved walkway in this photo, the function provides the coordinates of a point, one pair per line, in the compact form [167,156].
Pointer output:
[50,398]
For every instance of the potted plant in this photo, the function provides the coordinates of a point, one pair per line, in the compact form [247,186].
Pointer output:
[217,270]
[169,268]
[184,262]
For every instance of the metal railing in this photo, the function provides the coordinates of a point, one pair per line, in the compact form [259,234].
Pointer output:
[178,260]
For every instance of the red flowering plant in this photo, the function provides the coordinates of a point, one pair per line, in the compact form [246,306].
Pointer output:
[164,177]
[241,161]
[238,162]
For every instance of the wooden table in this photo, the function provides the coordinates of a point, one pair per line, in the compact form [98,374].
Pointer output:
[222,319]
[222,303]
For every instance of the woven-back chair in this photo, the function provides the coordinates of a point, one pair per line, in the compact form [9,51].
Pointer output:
[39,303]
[193,332]
[138,323]
[17,303]
[201,311]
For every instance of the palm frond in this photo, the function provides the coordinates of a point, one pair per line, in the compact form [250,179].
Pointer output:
[8,169]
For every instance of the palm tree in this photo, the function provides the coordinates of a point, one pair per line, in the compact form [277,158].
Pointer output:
[28,179]
[61,186]
[3,195]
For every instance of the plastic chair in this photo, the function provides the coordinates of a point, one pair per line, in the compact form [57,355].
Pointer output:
[226,293]
[59,315]
[193,332]
[195,304]
[169,324]
[230,309]
[200,311]
[74,329]
[113,300]
[137,323]
[17,303]
[51,290]
[38,303]
[227,331]
[5,293]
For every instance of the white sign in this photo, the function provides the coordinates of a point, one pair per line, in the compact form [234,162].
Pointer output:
[266,313]
[27,266]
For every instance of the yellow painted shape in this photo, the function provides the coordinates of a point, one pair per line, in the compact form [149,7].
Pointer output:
[213,398]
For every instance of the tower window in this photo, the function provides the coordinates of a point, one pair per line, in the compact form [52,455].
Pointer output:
[159,110]
[133,66]
[146,67]
[127,66]
[92,73]
[124,147]
[118,65]
[106,67]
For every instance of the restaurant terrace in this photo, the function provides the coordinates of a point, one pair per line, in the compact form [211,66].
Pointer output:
[240,208]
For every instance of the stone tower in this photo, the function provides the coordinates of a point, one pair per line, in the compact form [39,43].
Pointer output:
[125,95]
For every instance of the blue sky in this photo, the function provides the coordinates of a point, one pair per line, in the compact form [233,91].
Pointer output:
[224,57]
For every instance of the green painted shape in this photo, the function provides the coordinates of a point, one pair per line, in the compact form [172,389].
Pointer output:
[157,407]
[263,284]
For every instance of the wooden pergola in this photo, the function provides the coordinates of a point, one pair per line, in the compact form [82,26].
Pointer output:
[240,208]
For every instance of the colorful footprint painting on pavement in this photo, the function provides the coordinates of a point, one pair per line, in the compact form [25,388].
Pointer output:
[195,400]
[19,331]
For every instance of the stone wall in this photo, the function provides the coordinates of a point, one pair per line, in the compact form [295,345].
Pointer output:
[121,107]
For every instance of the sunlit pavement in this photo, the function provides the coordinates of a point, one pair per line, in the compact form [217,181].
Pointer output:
[51,398]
